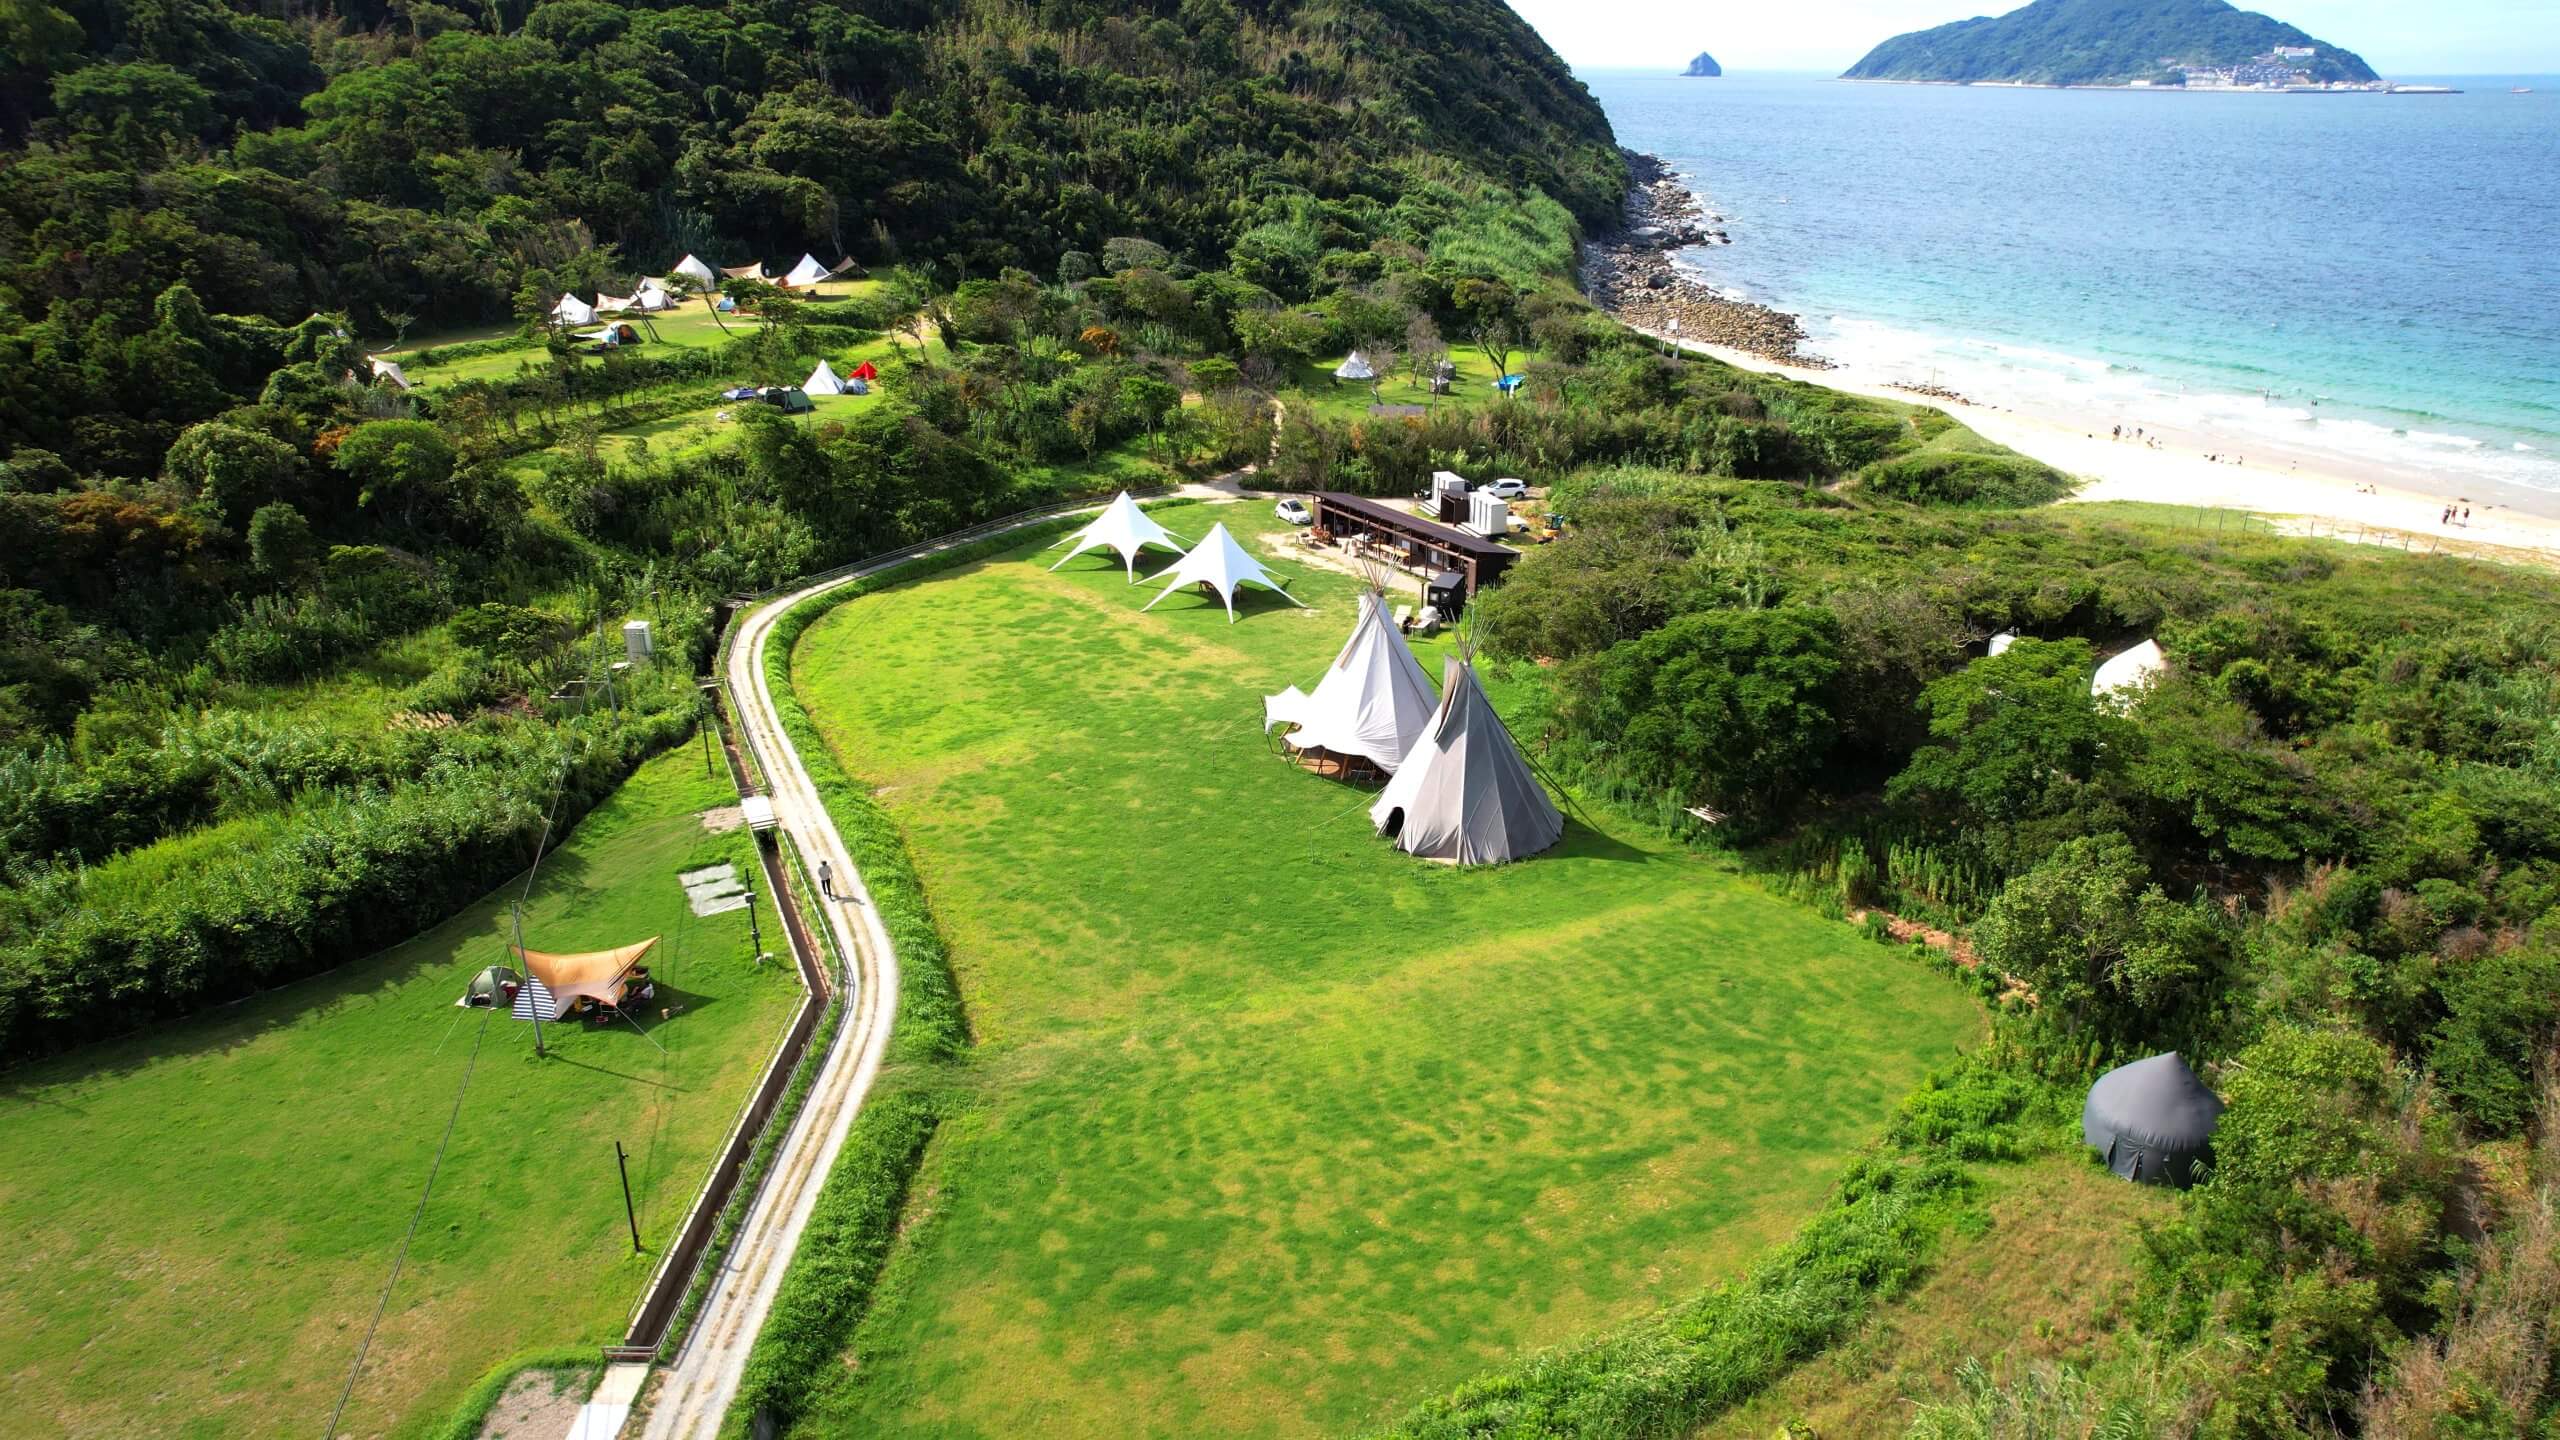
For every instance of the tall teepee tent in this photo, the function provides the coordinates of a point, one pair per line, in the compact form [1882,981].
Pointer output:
[1373,702]
[807,272]
[1125,528]
[1355,366]
[702,273]
[1464,793]
[573,311]
[823,381]
[1221,564]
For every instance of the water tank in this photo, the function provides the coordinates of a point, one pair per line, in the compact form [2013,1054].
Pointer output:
[1488,516]
[636,642]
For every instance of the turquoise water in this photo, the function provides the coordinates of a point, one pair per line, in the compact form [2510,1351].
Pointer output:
[2374,276]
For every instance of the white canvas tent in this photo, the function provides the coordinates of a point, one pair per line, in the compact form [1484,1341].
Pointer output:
[2127,675]
[1373,701]
[1464,794]
[1123,527]
[1221,564]
[652,296]
[807,272]
[2001,642]
[702,274]
[573,311]
[1355,367]
[823,381]
[389,370]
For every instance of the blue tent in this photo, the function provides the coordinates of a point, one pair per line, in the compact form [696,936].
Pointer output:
[1508,383]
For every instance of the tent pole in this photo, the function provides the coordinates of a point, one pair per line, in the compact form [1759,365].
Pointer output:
[515,909]
[629,1214]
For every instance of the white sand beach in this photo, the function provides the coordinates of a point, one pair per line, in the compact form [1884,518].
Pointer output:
[2305,493]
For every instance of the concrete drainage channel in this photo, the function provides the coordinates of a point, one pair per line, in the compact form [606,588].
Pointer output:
[693,1391]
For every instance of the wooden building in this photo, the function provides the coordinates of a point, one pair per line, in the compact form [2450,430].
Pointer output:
[1424,545]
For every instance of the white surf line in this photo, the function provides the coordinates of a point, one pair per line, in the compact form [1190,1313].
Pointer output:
[700,1384]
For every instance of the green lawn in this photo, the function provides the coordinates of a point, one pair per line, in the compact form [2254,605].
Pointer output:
[1273,1130]
[201,1217]
[1314,385]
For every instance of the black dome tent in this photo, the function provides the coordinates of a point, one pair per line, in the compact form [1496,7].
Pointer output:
[2153,1120]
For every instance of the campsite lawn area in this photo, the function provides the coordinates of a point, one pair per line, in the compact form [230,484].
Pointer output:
[1316,388]
[202,1216]
[1271,1129]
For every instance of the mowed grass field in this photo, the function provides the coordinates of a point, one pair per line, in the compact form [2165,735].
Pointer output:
[1271,1129]
[201,1218]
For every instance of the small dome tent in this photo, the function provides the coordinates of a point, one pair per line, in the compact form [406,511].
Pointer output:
[2152,1120]
[1355,366]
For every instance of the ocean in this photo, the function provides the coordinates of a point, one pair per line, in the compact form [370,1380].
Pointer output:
[2374,278]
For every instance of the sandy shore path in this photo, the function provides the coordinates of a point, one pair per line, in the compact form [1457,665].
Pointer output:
[2303,493]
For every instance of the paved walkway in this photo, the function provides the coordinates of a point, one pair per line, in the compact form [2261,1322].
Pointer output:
[699,1386]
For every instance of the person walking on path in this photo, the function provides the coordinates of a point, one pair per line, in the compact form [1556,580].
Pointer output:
[826,880]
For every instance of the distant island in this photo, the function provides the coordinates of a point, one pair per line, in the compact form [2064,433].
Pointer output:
[2186,44]
[1704,66]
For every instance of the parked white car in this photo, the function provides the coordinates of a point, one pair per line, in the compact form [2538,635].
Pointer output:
[1294,511]
[1507,489]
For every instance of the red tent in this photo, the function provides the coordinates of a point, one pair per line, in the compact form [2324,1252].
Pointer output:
[866,371]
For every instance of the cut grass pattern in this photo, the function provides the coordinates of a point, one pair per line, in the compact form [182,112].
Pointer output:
[1272,1129]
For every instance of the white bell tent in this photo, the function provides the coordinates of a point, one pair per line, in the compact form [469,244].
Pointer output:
[1221,564]
[1373,701]
[651,297]
[823,381]
[2001,642]
[702,274]
[389,370]
[807,272]
[2124,678]
[573,311]
[1465,794]
[1355,366]
[1125,528]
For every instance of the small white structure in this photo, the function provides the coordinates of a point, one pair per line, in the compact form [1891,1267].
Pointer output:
[807,272]
[2001,642]
[573,311]
[2124,678]
[823,381]
[1373,701]
[702,274]
[1465,795]
[636,642]
[1221,564]
[389,370]
[1355,366]
[1124,528]
[1488,516]
[1449,482]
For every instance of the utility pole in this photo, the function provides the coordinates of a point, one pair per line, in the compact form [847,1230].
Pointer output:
[623,1163]
[755,932]
[516,910]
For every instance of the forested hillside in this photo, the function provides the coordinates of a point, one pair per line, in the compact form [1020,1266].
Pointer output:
[454,167]
[2098,42]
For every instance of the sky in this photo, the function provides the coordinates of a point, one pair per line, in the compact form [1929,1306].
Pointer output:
[2397,37]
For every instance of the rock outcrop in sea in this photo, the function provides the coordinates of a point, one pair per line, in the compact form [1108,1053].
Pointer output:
[1704,67]
[1630,273]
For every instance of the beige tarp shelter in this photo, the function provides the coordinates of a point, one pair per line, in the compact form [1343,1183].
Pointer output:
[596,975]
[747,272]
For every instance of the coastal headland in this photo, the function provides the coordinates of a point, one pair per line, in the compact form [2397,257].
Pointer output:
[1634,276]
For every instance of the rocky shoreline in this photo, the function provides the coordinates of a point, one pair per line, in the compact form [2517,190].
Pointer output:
[1629,273]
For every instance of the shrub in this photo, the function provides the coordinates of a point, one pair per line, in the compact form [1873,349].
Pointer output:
[1958,478]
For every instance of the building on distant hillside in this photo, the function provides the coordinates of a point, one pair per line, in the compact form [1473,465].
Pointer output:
[2296,52]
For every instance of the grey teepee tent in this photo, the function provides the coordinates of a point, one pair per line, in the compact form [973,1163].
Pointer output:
[2153,1120]
[1464,794]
